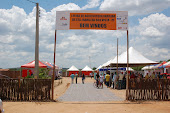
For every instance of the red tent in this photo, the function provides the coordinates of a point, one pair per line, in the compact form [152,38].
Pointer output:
[32,65]
[161,64]
[24,73]
[168,66]
[49,64]
[86,71]
[73,70]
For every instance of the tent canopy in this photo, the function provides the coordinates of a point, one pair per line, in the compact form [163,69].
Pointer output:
[47,64]
[165,65]
[160,65]
[107,63]
[56,67]
[148,67]
[99,67]
[32,65]
[135,59]
[72,68]
[86,68]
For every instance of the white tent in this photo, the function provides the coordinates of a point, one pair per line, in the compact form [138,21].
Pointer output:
[135,59]
[107,63]
[99,67]
[130,69]
[72,68]
[86,68]
[168,63]
[148,67]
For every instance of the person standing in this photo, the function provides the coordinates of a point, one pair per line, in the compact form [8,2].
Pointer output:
[107,79]
[97,79]
[120,80]
[91,75]
[114,80]
[72,77]
[153,75]
[95,75]
[101,80]
[76,75]
[83,78]
[110,80]
[147,76]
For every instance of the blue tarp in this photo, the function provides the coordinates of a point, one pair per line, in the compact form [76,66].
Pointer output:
[123,69]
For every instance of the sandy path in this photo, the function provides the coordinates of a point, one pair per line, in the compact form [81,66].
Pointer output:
[86,107]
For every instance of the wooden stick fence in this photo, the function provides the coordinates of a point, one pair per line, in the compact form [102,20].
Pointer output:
[25,89]
[156,89]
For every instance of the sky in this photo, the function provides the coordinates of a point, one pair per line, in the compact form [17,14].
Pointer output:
[148,21]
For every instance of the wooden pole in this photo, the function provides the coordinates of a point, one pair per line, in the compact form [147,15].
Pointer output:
[54,66]
[127,79]
[37,43]
[117,58]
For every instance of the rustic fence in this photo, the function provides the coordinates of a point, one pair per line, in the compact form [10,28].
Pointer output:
[25,89]
[156,89]
[11,74]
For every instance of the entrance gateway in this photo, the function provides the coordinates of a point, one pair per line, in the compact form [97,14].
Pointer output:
[86,20]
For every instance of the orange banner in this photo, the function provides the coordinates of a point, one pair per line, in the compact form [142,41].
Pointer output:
[104,21]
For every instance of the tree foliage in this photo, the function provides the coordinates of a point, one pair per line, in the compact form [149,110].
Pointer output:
[94,68]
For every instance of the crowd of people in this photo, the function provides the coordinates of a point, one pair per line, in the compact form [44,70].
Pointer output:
[118,81]
[76,77]
[115,81]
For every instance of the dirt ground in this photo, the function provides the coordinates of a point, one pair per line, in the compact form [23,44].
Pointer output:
[86,107]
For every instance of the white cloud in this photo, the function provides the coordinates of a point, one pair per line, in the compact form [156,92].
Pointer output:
[151,31]
[136,7]
[91,4]
[152,36]
[69,6]
[17,41]
[155,25]
[17,34]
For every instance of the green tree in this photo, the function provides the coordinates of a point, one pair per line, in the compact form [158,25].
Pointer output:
[138,68]
[43,73]
[94,68]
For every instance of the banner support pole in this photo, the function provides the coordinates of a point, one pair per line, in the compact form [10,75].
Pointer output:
[127,78]
[54,66]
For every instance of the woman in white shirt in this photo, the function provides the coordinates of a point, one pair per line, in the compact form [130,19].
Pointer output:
[101,80]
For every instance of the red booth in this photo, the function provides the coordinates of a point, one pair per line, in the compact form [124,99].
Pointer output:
[30,65]
[86,71]
[73,70]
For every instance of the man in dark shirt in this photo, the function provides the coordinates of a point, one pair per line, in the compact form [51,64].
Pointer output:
[97,79]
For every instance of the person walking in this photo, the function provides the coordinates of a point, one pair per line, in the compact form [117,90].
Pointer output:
[83,78]
[72,77]
[76,75]
[107,79]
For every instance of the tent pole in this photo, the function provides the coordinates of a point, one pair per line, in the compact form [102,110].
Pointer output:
[127,79]
[54,66]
